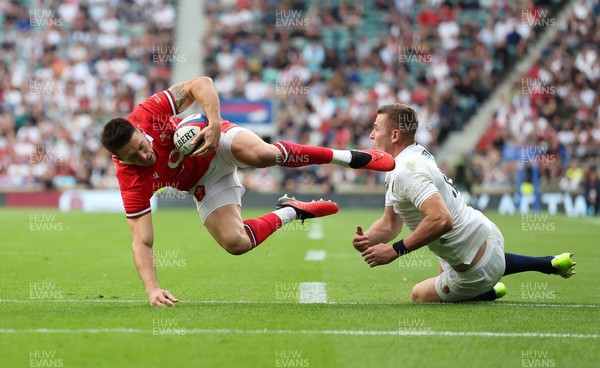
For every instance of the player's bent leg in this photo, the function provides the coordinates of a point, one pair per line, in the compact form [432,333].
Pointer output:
[227,228]
[248,149]
[251,150]
[243,148]
[425,291]
[481,281]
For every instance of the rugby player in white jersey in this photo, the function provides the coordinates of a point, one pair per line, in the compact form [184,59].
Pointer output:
[470,247]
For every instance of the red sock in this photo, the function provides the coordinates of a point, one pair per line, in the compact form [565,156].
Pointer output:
[296,155]
[261,228]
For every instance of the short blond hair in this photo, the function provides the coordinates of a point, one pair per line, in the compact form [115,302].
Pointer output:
[405,116]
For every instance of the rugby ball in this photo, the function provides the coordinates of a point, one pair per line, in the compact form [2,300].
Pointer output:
[186,131]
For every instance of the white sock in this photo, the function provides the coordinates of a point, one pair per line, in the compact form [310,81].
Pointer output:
[341,157]
[286,214]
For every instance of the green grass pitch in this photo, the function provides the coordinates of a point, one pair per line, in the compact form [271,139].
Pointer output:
[71,298]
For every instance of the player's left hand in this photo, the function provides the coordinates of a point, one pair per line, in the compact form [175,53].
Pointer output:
[361,241]
[379,254]
[161,298]
[211,136]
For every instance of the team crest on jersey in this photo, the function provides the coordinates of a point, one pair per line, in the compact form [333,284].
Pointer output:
[446,289]
[163,136]
[200,192]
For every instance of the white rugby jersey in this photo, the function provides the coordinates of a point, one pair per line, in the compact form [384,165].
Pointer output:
[415,178]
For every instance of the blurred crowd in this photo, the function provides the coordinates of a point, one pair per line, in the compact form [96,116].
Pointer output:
[66,67]
[330,64]
[554,112]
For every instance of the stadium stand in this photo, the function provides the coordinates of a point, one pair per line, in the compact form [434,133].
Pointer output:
[443,58]
[327,65]
[555,109]
[66,68]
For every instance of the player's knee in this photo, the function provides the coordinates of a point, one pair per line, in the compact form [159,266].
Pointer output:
[266,156]
[418,294]
[236,245]
[425,292]
[415,296]
[261,156]
[236,249]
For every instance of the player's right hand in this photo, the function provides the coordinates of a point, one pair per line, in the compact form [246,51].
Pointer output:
[161,298]
[211,136]
[360,242]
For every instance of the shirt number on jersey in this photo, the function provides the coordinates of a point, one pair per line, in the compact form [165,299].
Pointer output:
[449,182]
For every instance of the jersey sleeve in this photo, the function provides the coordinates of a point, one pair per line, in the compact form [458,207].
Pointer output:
[136,191]
[164,101]
[158,108]
[417,184]
[389,187]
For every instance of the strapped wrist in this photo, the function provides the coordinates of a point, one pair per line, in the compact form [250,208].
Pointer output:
[400,248]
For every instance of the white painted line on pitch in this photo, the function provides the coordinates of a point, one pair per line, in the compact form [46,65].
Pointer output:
[499,304]
[543,305]
[312,292]
[315,255]
[317,332]
[316,230]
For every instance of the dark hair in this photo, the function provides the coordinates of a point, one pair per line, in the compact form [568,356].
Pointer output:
[403,115]
[116,134]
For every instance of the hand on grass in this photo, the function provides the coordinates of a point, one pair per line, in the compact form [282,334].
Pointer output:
[161,298]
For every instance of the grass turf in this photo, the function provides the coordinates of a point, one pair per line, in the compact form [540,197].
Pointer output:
[70,291]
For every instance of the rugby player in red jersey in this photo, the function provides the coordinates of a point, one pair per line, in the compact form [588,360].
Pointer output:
[147,160]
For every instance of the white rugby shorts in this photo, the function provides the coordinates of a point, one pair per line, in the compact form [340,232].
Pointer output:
[454,286]
[220,184]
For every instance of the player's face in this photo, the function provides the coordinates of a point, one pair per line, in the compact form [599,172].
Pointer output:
[381,135]
[138,151]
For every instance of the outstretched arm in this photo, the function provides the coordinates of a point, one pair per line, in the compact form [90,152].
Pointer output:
[143,256]
[203,91]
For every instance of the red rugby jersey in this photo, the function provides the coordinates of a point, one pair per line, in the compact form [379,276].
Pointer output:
[172,169]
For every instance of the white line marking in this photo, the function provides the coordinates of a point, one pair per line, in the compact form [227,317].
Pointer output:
[315,255]
[316,230]
[318,332]
[543,305]
[312,292]
[499,304]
